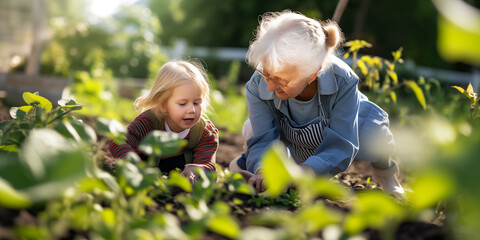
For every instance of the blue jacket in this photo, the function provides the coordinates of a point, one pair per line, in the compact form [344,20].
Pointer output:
[348,109]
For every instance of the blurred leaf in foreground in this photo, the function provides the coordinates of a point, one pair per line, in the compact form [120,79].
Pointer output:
[458,31]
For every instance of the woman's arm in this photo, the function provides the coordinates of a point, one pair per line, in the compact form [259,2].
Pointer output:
[264,126]
[340,144]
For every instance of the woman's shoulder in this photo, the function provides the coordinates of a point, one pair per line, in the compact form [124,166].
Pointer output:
[342,70]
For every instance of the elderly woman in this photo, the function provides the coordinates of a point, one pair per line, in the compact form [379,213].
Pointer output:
[305,96]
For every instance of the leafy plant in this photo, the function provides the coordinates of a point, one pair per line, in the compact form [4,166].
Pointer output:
[473,97]
[371,67]
[37,113]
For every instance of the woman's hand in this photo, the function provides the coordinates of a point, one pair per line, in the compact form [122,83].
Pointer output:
[190,173]
[256,181]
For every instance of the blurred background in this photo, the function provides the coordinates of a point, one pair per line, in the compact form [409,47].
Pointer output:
[55,39]
[104,52]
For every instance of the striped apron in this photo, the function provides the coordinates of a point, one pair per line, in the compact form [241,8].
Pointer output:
[302,141]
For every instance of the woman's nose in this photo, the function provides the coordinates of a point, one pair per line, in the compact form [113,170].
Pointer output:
[272,86]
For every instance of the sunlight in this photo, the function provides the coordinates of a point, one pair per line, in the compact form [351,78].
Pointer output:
[106,8]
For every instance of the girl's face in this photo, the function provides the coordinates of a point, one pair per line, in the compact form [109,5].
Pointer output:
[286,83]
[184,108]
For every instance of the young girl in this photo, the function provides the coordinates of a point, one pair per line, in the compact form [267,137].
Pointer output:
[175,103]
[305,96]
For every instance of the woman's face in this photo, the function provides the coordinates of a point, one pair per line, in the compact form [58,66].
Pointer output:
[286,83]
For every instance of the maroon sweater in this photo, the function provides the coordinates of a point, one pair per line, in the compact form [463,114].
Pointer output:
[203,153]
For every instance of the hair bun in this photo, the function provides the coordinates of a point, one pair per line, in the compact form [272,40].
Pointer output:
[332,34]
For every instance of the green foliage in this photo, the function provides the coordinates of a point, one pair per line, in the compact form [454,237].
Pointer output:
[98,92]
[230,105]
[473,98]
[370,69]
[37,114]
[127,43]
[458,31]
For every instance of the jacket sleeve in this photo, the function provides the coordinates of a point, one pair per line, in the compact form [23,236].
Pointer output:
[204,152]
[136,131]
[264,126]
[340,144]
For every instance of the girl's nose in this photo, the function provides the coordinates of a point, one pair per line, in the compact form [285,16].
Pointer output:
[191,109]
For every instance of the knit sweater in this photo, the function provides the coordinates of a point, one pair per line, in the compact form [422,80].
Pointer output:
[203,153]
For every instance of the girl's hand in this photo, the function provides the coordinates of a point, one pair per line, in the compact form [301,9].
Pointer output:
[191,174]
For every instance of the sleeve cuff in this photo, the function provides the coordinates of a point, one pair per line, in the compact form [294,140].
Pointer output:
[318,165]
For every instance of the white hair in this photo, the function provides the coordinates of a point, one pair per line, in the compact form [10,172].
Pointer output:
[287,38]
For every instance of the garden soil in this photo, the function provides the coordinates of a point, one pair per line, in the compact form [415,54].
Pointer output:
[358,178]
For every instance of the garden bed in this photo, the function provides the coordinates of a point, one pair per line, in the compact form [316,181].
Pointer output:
[245,208]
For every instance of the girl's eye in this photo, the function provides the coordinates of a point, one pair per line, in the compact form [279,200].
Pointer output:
[182,104]
[197,103]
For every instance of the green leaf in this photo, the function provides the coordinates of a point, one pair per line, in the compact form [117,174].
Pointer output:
[224,225]
[393,96]
[363,67]
[66,102]
[238,184]
[397,54]
[78,131]
[470,93]
[277,169]
[315,217]
[26,109]
[10,198]
[36,100]
[429,188]
[177,179]
[9,148]
[372,209]
[418,92]
[109,218]
[393,76]
[458,31]
[112,129]
[17,113]
[161,143]
[49,163]
[322,187]
[130,174]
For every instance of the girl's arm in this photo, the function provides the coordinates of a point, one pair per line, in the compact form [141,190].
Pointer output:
[137,130]
[204,152]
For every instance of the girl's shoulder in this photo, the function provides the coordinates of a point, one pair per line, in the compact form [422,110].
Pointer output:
[144,120]
[208,125]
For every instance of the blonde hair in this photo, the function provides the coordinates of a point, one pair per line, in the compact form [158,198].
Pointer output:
[171,75]
[288,38]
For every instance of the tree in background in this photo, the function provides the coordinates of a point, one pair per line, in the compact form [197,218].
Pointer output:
[388,25]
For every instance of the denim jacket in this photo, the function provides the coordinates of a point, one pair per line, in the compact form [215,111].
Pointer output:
[337,88]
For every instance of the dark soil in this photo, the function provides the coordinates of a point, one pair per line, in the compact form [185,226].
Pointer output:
[231,146]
